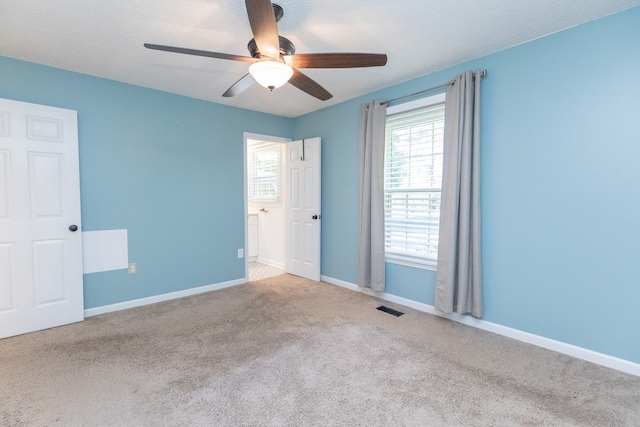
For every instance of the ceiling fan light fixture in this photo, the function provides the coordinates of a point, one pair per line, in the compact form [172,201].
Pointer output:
[273,57]
[270,74]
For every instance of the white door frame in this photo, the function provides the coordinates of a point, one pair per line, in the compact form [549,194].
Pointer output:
[267,138]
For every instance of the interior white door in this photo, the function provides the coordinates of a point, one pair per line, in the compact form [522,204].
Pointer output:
[303,209]
[40,255]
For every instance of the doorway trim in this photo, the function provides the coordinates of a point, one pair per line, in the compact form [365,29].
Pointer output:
[267,138]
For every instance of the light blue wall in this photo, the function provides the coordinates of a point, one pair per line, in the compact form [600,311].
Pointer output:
[167,168]
[560,186]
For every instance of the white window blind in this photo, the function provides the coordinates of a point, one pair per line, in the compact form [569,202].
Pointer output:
[264,173]
[413,176]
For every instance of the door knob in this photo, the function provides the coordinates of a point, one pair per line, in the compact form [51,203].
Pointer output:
[316,217]
[73,227]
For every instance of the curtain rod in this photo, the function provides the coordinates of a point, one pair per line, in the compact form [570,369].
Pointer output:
[483,73]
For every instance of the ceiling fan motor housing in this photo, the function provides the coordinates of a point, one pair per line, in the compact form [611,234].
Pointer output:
[277,11]
[286,47]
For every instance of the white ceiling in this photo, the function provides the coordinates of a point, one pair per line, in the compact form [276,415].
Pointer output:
[105,38]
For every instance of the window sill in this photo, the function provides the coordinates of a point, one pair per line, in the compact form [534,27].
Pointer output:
[431,266]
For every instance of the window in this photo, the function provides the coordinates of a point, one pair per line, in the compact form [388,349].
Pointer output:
[264,172]
[412,181]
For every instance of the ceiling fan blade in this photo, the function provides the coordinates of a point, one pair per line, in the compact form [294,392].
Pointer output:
[309,86]
[336,60]
[264,28]
[241,85]
[200,52]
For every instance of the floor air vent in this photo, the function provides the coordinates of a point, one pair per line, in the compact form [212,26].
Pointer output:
[390,311]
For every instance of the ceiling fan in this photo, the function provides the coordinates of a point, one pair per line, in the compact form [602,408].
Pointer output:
[273,59]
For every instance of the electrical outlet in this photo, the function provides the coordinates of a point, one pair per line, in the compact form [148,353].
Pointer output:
[240,253]
[133,268]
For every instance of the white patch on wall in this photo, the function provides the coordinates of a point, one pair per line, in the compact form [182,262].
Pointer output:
[104,250]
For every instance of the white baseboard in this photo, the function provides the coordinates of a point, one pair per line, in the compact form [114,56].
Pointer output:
[159,298]
[537,340]
[270,263]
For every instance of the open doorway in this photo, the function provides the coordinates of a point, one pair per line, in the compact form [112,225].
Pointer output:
[265,202]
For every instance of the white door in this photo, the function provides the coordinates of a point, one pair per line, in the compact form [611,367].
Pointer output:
[40,257]
[303,209]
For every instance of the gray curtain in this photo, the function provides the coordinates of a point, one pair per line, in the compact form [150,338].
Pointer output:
[459,275]
[371,257]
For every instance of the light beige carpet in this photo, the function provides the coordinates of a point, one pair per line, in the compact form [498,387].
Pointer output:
[287,351]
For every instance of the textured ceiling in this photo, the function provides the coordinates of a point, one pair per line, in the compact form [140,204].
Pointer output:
[105,38]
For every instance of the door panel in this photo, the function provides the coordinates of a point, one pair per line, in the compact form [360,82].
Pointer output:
[294,241]
[49,271]
[44,129]
[5,184]
[40,258]
[309,188]
[303,209]
[294,188]
[309,243]
[47,183]
[7,273]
